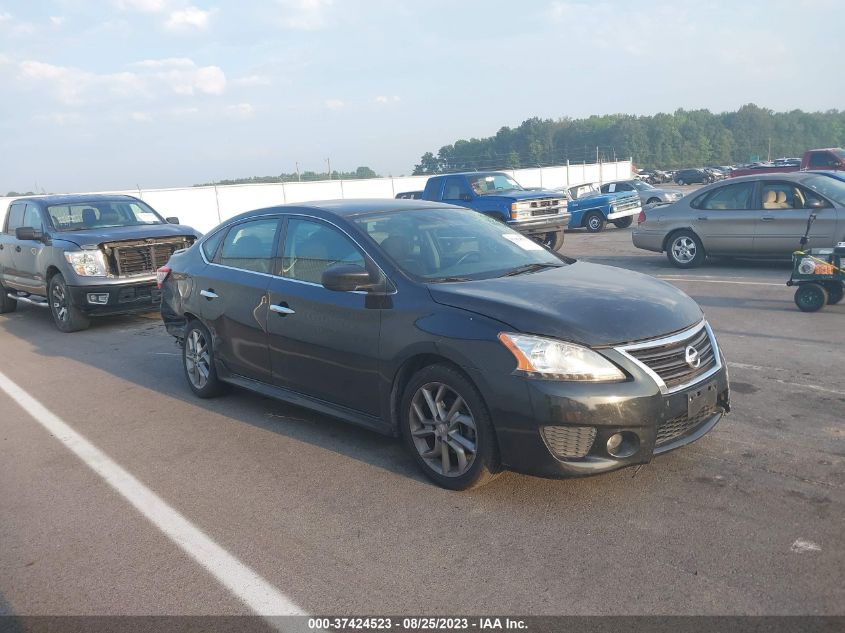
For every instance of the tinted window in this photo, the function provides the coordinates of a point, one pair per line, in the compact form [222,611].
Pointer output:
[736,196]
[15,216]
[32,217]
[209,246]
[454,188]
[249,246]
[829,187]
[311,247]
[822,159]
[787,195]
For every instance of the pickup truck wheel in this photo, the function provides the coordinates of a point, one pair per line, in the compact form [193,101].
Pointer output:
[553,240]
[624,223]
[198,362]
[7,304]
[66,316]
[680,181]
[685,250]
[594,222]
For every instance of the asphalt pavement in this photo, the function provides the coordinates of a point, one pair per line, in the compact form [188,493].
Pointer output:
[748,520]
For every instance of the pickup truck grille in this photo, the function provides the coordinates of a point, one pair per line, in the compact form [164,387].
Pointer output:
[626,203]
[551,206]
[136,258]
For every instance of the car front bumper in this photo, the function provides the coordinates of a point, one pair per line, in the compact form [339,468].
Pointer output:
[123,298]
[552,414]
[542,224]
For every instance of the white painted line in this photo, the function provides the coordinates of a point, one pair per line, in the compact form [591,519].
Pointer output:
[800,546]
[721,281]
[754,367]
[253,590]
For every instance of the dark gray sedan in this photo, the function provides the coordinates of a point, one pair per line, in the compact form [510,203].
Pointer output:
[649,194]
[762,215]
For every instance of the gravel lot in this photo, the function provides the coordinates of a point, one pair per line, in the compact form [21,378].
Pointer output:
[747,520]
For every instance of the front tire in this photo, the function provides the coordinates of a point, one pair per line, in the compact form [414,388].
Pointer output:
[553,240]
[684,250]
[446,427]
[67,316]
[198,362]
[810,297]
[680,181]
[594,222]
[7,304]
[624,223]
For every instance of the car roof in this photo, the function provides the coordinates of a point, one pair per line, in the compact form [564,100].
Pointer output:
[76,198]
[350,208]
[795,176]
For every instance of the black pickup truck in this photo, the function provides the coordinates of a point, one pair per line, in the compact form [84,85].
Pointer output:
[83,256]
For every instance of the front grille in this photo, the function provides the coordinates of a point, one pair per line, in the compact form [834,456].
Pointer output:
[669,361]
[569,441]
[546,207]
[142,258]
[624,205]
[681,425]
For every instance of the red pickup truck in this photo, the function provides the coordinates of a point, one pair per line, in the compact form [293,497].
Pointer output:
[828,158]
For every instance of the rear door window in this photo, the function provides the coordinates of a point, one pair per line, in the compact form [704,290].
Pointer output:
[250,246]
[730,197]
[16,211]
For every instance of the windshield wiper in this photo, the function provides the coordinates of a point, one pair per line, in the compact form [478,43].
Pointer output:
[529,268]
[438,280]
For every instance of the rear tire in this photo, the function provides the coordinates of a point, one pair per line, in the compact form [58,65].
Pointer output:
[198,362]
[624,223]
[67,316]
[835,292]
[684,250]
[810,297]
[440,402]
[7,304]
[680,181]
[594,222]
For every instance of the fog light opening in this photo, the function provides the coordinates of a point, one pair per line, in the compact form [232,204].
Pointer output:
[98,298]
[623,444]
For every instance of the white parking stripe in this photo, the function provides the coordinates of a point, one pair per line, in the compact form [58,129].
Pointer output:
[257,593]
[721,281]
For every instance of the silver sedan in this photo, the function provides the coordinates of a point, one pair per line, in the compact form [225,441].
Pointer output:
[649,194]
[762,215]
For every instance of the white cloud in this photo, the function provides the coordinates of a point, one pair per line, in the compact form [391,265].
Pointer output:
[5,17]
[149,78]
[241,110]
[60,118]
[253,80]
[182,112]
[334,104]
[305,15]
[383,99]
[57,20]
[141,117]
[188,18]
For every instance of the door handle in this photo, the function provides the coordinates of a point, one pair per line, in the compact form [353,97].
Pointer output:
[208,294]
[18,249]
[282,309]
[767,218]
[703,217]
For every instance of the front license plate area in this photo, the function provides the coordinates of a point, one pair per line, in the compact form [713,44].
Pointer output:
[701,398]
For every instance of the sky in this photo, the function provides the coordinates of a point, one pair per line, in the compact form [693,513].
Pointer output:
[115,94]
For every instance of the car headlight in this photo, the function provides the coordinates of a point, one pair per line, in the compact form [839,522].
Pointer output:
[87,263]
[548,358]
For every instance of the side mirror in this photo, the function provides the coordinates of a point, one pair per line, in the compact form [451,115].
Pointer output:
[466,197]
[29,233]
[814,204]
[347,278]
[172,220]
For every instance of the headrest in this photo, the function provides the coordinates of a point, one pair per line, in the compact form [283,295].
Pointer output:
[781,196]
[771,197]
[89,216]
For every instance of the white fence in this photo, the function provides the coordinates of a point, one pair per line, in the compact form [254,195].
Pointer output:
[205,207]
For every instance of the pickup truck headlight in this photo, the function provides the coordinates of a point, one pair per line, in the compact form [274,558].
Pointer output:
[557,360]
[87,263]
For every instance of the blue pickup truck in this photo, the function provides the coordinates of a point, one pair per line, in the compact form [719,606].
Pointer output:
[592,209]
[539,214]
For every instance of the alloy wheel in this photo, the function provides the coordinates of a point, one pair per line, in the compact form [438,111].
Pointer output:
[59,302]
[197,359]
[684,249]
[443,429]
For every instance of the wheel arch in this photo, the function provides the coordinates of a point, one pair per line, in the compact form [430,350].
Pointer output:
[678,230]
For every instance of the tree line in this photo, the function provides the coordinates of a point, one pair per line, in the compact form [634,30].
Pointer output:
[685,138]
[305,176]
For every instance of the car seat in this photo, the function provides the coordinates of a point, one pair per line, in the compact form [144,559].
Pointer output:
[89,217]
[781,201]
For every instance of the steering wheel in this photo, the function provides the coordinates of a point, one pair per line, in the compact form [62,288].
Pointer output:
[466,256]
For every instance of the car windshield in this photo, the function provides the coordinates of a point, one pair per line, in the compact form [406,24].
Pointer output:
[440,245]
[580,191]
[492,184]
[831,188]
[642,186]
[99,214]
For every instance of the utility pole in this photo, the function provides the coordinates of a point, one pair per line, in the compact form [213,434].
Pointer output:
[298,177]
[329,163]
[597,153]
[769,155]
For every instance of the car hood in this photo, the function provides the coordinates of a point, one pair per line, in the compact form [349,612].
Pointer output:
[120,233]
[584,303]
[601,199]
[537,194]
[657,191]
